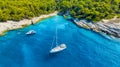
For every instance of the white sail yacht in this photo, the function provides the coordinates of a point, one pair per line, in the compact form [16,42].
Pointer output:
[58,48]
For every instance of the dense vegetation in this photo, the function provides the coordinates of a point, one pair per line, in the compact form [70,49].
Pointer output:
[94,10]
[82,9]
[19,9]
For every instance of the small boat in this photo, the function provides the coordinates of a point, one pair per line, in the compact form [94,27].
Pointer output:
[31,32]
[58,48]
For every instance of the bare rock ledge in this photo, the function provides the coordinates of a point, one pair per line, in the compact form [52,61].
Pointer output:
[110,27]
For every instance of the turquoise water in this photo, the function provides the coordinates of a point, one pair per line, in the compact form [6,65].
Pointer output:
[85,48]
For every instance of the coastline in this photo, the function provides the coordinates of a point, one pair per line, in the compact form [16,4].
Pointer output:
[110,27]
[12,25]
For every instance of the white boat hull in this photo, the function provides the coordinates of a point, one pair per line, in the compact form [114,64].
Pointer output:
[58,48]
[31,32]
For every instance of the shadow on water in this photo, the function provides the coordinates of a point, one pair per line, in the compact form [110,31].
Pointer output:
[51,56]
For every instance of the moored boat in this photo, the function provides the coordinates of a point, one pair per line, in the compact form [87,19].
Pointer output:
[58,48]
[31,32]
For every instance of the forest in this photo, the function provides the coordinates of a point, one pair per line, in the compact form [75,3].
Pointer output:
[93,10]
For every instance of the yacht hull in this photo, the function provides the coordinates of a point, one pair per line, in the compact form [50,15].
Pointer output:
[58,48]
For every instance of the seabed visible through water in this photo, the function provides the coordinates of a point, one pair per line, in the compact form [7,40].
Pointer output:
[85,48]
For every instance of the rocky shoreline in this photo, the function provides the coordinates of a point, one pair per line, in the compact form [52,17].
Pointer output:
[11,25]
[109,27]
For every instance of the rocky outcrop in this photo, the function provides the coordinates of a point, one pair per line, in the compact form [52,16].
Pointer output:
[110,27]
[11,25]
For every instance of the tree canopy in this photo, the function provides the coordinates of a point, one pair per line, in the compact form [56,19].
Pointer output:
[93,10]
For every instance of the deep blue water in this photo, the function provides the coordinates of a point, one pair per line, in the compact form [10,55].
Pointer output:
[85,48]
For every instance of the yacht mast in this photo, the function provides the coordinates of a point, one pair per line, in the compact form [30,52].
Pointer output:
[56,37]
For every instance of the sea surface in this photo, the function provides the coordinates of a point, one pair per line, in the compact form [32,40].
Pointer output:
[85,48]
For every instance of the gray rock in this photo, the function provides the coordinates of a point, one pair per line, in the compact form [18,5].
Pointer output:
[110,28]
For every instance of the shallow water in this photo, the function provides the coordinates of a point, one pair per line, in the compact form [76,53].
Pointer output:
[85,48]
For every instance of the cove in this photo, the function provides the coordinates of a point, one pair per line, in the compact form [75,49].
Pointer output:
[85,48]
